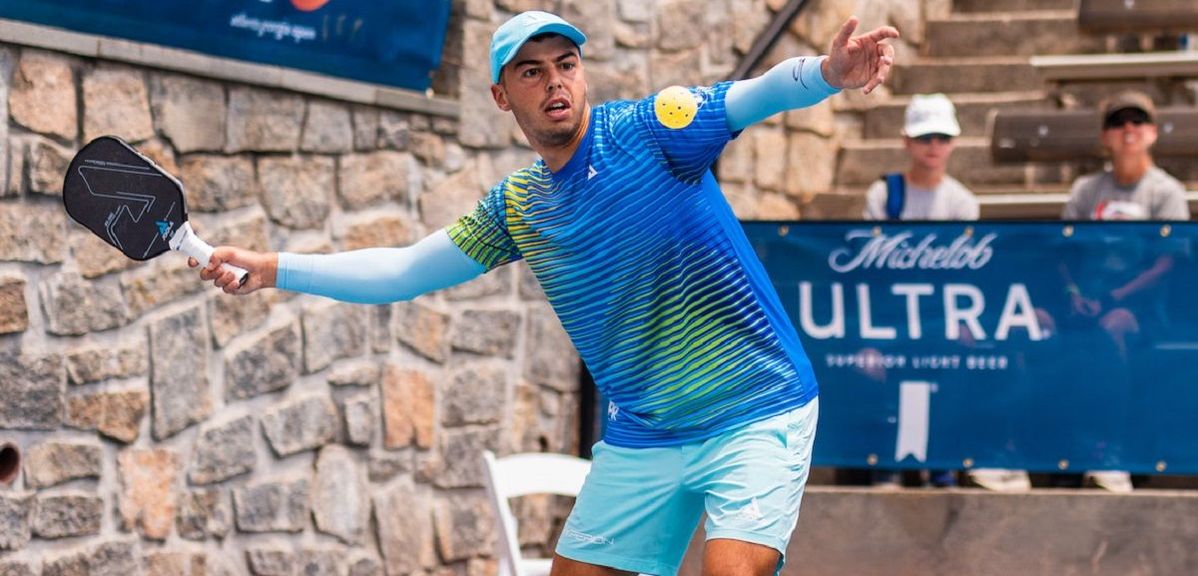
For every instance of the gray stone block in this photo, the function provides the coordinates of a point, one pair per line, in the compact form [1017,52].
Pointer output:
[203,514]
[116,101]
[54,462]
[332,330]
[405,527]
[340,495]
[361,419]
[47,162]
[297,191]
[464,525]
[218,183]
[328,128]
[266,364]
[263,120]
[475,394]
[32,233]
[422,329]
[302,424]
[17,568]
[75,306]
[15,509]
[270,561]
[222,451]
[320,561]
[32,388]
[111,558]
[280,506]
[189,111]
[487,332]
[179,372]
[62,515]
[369,179]
[108,362]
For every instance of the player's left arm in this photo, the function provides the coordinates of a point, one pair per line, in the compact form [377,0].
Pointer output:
[854,62]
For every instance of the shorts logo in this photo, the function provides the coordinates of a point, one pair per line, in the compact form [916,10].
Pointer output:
[751,512]
[586,538]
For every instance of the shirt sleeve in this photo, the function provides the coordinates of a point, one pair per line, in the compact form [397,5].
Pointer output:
[1172,204]
[1073,208]
[483,234]
[688,126]
[875,201]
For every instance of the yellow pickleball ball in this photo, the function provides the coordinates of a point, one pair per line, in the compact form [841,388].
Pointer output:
[676,107]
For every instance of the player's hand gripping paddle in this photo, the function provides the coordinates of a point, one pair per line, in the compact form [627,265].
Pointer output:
[131,203]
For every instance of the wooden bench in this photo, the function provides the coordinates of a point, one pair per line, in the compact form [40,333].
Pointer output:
[1138,15]
[1034,136]
[1175,64]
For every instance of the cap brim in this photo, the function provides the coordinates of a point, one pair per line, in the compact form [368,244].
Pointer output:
[931,128]
[570,32]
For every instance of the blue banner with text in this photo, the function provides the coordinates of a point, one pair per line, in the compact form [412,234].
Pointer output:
[396,42]
[1038,346]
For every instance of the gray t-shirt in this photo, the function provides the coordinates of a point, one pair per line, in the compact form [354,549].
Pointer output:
[950,200]
[1157,196]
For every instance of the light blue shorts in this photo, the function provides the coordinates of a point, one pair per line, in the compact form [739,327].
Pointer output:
[639,507]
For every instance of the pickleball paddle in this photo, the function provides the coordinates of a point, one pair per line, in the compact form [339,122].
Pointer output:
[131,203]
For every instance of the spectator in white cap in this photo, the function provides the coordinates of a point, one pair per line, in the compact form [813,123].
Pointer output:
[924,191]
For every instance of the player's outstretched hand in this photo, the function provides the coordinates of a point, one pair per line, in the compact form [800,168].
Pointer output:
[859,61]
[262,268]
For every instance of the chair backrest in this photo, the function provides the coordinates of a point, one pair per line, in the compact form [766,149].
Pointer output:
[521,475]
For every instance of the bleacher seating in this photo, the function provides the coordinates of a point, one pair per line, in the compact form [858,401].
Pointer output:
[1138,15]
[1049,135]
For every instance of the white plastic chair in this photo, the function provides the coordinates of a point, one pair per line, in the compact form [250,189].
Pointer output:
[520,475]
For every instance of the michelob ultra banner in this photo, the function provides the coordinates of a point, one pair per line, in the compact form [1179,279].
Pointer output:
[1038,346]
[392,42]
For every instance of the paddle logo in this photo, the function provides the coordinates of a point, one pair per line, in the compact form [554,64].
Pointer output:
[164,228]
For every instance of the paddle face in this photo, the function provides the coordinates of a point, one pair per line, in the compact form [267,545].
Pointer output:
[123,198]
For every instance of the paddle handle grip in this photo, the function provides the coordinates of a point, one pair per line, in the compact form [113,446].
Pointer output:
[193,246]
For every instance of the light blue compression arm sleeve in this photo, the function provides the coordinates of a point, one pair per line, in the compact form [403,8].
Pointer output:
[793,83]
[379,275]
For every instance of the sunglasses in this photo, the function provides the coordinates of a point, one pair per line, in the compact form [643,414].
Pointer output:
[929,138]
[1123,117]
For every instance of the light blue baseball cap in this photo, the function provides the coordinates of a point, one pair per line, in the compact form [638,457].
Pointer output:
[509,37]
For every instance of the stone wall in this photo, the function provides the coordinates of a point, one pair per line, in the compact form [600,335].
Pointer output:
[169,429]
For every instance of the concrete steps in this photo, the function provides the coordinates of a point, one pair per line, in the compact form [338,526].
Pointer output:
[865,532]
[1010,34]
[973,112]
[863,162]
[976,6]
[955,75]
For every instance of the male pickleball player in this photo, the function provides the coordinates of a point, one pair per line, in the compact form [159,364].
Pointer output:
[713,401]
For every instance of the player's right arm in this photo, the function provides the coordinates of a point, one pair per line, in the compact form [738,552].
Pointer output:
[368,276]
[474,244]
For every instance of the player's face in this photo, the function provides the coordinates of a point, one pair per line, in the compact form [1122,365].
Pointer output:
[1128,132]
[545,88]
[931,151]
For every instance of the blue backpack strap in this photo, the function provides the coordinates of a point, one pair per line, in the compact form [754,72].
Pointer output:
[896,194]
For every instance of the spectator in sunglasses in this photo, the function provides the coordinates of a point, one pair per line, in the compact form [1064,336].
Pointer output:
[924,191]
[1119,295]
[1132,188]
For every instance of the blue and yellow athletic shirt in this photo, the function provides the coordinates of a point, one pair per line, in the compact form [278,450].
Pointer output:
[650,273]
